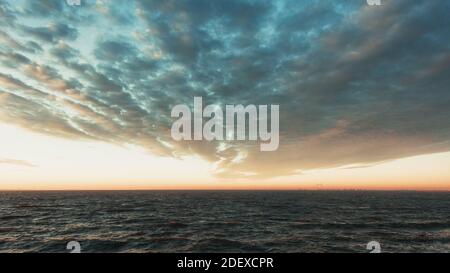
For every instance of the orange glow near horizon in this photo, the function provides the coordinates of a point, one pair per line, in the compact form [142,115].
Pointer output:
[39,162]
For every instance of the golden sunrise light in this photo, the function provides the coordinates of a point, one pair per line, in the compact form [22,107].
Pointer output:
[90,165]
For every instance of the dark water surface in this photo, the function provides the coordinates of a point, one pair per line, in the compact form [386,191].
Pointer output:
[221,221]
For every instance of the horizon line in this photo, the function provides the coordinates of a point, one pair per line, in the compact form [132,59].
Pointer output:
[212,190]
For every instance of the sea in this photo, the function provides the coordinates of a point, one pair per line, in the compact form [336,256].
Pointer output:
[225,221]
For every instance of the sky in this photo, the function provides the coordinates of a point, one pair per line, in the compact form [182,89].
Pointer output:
[86,93]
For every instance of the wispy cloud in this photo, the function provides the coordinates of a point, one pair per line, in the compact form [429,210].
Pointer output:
[16,162]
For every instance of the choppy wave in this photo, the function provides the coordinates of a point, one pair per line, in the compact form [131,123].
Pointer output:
[158,221]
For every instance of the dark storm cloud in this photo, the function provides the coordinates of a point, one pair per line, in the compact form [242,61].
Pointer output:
[59,10]
[6,14]
[24,111]
[13,59]
[114,50]
[356,84]
[52,33]
[44,8]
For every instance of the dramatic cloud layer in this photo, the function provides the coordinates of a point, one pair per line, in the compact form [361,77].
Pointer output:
[356,84]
